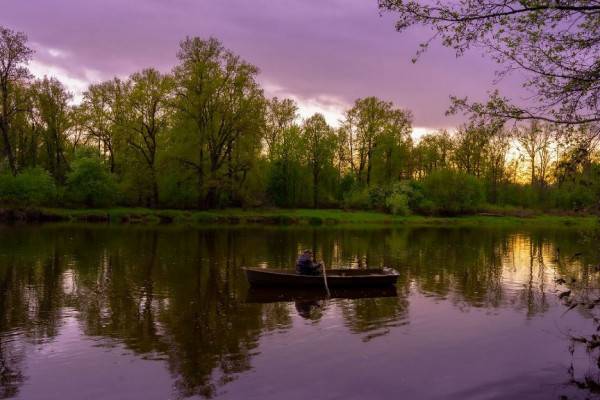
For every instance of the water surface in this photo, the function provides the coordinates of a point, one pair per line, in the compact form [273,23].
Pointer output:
[101,312]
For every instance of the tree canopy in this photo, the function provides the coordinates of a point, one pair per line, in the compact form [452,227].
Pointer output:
[553,43]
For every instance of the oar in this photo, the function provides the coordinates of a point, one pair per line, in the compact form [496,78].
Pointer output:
[325,279]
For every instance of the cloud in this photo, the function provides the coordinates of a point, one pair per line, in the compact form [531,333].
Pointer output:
[331,107]
[420,131]
[74,84]
[57,53]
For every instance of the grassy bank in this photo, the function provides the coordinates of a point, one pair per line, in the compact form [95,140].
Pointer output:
[278,217]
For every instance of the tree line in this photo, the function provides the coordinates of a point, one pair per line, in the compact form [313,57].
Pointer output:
[205,136]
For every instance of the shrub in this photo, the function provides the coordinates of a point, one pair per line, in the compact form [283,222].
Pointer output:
[378,197]
[32,187]
[451,193]
[357,199]
[90,184]
[412,190]
[346,184]
[573,196]
[397,204]
[178,193]
[403,198]
[285,186]
[277,185]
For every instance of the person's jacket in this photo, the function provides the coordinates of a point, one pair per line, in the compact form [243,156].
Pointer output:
[305,264]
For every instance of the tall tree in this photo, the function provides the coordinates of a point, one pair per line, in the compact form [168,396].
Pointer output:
[280,115]
[366,121]
[433,151]
[531,141]
[26,128]
[147,115]
[285,173]
[470,152]
[14,55]
[319,140]
[547,142]
[394,144]
[343,151]
[497,151]
[102,113]
[218,92]
[578,148]
[55,120]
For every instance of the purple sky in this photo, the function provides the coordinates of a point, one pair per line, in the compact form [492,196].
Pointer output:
[324,53]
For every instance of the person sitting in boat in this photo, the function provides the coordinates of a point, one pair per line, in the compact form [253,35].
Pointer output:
[306,265]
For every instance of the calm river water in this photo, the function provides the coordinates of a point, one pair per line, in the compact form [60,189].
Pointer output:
[101,312]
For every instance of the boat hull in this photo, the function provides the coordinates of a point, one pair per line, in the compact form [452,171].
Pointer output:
[335,278]
[270,294]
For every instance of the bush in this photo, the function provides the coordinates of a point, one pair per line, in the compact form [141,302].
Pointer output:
[413,190]
[367,198]
[32,187]
[357,199]
[403,198]
[451,193]
[286,185]
[573,196]
[347,183]
[90,184]
[178,193]
[397,204]
[378,197]
[277,185]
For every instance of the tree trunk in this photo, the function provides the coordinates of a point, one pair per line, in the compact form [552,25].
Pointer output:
[315,189]
[532,170]
[200,170]
[155,197]
[211,197]
[369,168]
[211,194]
[8,151]
[388,169]
[229,174]
[200,202]
[111,157]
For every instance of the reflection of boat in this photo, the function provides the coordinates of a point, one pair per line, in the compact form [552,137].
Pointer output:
[273,295]
[335,278]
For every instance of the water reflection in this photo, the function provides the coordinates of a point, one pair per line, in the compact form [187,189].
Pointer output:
[179,296]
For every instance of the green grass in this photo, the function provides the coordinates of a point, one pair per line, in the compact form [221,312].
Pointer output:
[292,217]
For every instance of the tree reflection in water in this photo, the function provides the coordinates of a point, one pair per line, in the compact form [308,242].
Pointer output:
[179,294]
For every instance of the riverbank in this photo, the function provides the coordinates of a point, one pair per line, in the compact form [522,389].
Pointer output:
[277,217]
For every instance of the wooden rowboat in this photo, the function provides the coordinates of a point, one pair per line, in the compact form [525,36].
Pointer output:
[335,278]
